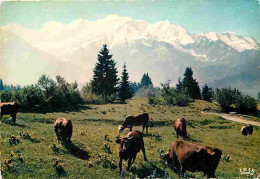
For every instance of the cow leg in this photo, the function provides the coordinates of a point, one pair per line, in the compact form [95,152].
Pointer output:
[120,165]
[129,163]
[146,128]
[69,132]
[57,133]
[143,150]
[133,159]
[13,117]
[175,163]
[131,128]
[177,133]
[211,175]
[143,128]
[182,173]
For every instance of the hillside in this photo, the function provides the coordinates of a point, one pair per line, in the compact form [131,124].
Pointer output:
[36,153]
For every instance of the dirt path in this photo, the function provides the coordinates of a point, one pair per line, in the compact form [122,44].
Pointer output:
[236,119]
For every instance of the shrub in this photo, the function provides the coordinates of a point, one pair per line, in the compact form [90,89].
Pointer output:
[249,105]
[46,95]
[153,100]
[173,97]
[6,96]
[233,100]
[88,96]
[148,91]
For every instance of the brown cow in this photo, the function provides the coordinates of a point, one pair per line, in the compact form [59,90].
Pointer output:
[192,157]
[135,120]
[180,127]
[247,130]
[9,108]
[63,129]
[130,145]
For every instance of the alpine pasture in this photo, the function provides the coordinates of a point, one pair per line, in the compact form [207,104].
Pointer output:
[29,148]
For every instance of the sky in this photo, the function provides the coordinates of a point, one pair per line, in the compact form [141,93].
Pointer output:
[196,16]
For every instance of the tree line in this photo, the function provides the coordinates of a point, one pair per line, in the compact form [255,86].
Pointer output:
[188,89]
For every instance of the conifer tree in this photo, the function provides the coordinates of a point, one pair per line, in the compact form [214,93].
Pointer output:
[191,85]
[1,85]
[124,89]
[179,86]
[134,87]
[207,93]
[105,75]
[146,80]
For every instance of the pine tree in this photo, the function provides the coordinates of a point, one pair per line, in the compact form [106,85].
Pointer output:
[124,89]
[146,80]
[191,85]
[105,75]
[1,85]
[207,93]
[179,86]
[134,87]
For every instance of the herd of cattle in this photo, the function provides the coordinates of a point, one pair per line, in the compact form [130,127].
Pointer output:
[181,156]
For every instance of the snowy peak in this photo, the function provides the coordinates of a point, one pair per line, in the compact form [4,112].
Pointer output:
[61,39]
[233,40]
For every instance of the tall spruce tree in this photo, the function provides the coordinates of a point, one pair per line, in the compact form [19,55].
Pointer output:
[1,85]
[105,75]
[207,93]
[124,88]
[146,80]
[191,85]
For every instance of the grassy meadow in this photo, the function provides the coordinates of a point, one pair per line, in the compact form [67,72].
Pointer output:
[29,149]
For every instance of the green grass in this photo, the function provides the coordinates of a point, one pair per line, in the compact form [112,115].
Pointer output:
[39,156]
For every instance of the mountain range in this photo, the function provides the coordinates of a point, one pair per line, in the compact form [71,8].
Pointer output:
[162,49]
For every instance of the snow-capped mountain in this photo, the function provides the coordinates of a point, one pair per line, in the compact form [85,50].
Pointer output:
[162,49]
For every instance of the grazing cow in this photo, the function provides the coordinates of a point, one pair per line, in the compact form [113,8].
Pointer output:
[192,157]
[180,127]
[9,108]
[135,120]
[247,130]
[63,129]
[130,145]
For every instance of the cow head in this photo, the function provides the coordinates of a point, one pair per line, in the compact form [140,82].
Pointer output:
[166,158]
[244,130]
[121,128]
[123,149]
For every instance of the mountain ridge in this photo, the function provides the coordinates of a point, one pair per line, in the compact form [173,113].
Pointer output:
[161,48]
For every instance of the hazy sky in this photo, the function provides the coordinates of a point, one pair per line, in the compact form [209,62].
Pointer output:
[197,16]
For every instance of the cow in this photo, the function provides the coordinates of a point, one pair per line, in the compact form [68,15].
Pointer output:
[180,127]
[130,145]
[135,120]
[63,129]
[247,130]
[192,157]
[9,108]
